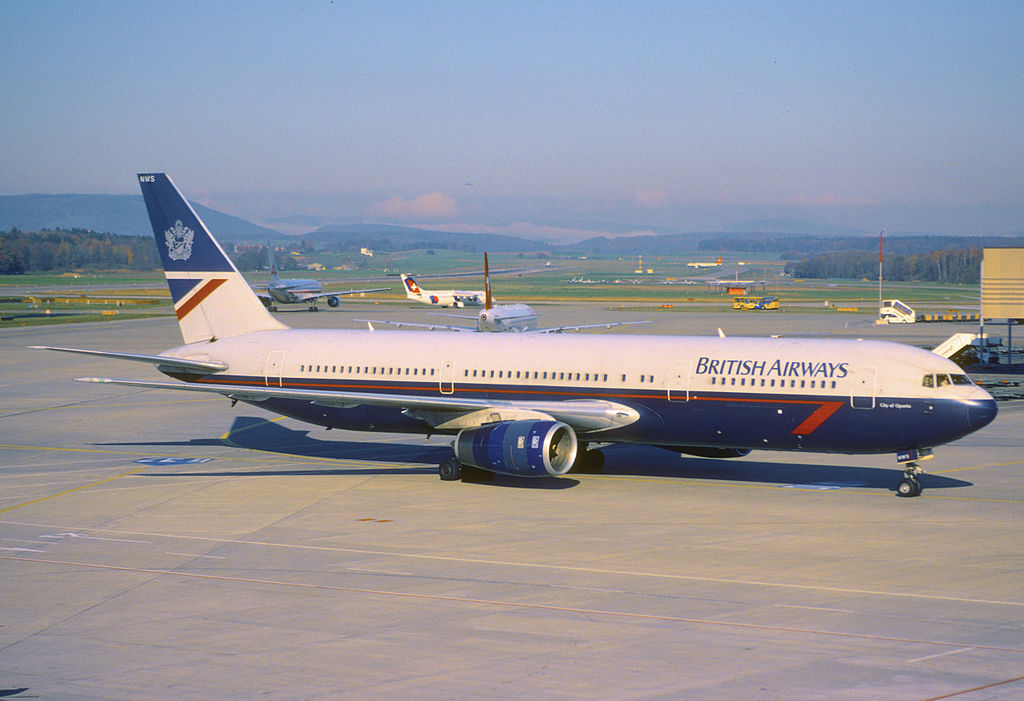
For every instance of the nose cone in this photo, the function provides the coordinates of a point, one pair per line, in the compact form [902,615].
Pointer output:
[980,412]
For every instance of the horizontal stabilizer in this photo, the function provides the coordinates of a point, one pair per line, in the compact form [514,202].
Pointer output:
[161,361]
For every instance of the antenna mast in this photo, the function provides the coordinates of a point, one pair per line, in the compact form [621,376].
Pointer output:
[880,232]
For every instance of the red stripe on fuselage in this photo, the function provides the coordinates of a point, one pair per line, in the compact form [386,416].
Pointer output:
[807,426]
[197,299]
[817,418]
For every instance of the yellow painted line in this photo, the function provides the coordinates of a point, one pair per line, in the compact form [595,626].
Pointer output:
[518,605]
[295,459]
[859,491]
[69,491]
[11,446]
[227,436]
[976,467]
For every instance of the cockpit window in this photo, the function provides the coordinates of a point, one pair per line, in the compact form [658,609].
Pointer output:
[941,380]
[961,380]
[928,381]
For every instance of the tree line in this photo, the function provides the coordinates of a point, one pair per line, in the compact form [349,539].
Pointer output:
[61,250]
[955,265]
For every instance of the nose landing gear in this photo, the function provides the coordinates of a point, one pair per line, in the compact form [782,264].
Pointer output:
[909,486]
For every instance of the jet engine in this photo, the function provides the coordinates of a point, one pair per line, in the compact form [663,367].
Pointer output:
[333,301]
[526,447]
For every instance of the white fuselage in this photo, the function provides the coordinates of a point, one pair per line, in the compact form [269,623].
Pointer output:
[783,394]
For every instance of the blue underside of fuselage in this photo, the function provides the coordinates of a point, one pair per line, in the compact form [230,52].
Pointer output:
[817,423]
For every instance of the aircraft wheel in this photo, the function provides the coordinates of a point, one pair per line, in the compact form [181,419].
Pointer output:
[272,307]
[450,470]
[908,487]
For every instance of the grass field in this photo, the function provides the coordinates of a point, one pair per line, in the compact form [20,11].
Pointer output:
[24,299]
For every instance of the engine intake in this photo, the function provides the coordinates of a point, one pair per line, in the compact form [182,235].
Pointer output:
[526,447]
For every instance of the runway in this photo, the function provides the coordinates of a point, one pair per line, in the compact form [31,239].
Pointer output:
[154,545]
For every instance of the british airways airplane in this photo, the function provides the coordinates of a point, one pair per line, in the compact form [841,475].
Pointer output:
[533,404]
[281,291]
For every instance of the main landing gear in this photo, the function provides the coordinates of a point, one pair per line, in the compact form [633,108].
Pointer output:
[451,470]
[588,461]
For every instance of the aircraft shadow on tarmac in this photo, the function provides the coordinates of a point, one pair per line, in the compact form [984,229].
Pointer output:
[651,462]
[257,434]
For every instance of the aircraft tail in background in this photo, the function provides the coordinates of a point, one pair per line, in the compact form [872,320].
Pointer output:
[211,298]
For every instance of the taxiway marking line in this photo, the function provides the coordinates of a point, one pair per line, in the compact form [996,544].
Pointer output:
[977,467]
[297,459]
[69,491]
[940,654]
[515,604]
[976,688]
[542,566]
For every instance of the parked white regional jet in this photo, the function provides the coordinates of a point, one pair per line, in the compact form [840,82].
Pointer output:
[299,291]
[442,298]
[530,404]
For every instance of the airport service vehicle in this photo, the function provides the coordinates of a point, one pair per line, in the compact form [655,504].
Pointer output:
[297,291]
[756,303]
[894,311]
[442,298]
[534,404]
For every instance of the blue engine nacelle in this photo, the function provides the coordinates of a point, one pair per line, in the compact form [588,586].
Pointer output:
[526,447]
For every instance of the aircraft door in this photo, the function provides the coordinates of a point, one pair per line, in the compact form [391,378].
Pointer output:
[677,383]
[446,382]
[272,369]
[863,390]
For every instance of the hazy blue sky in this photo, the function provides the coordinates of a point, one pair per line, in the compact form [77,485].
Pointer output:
[529,117]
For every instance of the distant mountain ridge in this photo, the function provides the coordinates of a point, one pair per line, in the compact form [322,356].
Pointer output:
[385,237]
[126,215]
[115,214]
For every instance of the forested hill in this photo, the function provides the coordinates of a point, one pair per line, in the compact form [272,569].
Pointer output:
[118,214]
[43,251]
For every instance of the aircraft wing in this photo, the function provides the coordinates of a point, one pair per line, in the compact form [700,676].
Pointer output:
[431,327]
[161,361]
[562,329]
[584,415]
[320,295]
[264,297]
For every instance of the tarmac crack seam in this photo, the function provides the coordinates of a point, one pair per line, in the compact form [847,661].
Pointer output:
[520,605]
[69,491]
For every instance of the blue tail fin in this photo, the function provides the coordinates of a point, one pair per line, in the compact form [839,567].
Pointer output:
[211,298]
